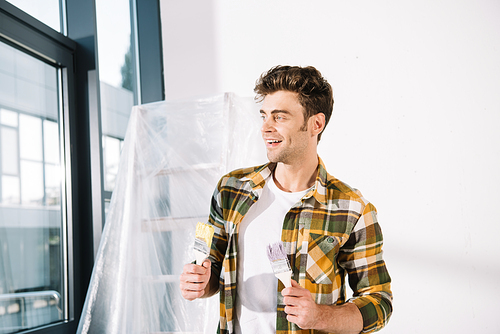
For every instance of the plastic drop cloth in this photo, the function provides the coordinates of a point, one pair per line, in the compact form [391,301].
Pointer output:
[173,156]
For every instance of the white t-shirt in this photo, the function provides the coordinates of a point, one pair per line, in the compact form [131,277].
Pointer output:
[256,284]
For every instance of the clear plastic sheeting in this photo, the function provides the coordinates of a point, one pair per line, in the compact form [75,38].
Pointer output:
[173,156]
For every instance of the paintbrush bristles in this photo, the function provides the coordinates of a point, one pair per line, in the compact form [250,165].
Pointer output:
[276,252]
[279,262]
[203,242]
[205,232]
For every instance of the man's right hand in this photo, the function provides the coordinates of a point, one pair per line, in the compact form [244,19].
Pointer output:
[194,280]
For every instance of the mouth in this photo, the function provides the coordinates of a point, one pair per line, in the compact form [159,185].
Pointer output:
[272,142]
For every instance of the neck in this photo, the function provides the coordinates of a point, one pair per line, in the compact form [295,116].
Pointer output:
[297,177]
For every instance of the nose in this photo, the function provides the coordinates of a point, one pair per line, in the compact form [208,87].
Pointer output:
[267,125]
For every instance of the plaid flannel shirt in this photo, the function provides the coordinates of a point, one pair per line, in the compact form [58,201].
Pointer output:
[331,232]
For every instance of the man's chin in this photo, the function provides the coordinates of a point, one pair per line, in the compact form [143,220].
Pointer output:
[274,158]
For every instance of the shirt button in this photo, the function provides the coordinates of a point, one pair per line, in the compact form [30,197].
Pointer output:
[330,240]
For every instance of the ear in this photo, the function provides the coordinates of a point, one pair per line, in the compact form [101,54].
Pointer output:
[317,123]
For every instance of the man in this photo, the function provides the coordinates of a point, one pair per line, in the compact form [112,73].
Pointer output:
[328,229]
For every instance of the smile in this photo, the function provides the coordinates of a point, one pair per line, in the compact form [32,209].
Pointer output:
[272,143]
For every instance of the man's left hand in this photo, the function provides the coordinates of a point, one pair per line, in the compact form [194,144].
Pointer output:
[300,307]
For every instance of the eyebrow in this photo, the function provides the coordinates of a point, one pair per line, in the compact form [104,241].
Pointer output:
[277,111]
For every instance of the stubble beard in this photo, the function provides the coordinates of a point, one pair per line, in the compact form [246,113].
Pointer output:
[276,157]
[289,155]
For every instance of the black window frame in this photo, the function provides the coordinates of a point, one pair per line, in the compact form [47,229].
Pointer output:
[74,51]
[32,37]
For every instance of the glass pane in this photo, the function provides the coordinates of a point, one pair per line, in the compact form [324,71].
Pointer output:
[8,117]
[52,185]
[46,11]
[113,30]
[9,151]
[31,268]
[50,140]
[111,160]
[10,190]
[117,73]
[31,183]
[30,137]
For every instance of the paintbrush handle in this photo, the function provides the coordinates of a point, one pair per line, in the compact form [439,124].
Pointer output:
[285,278]
[200,257]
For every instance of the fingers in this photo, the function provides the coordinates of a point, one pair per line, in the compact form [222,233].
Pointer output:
[299,314]
[304,317]
[194,279]
[292,314]
[192,268]
[297,301]
[295,291]
[207,263]
[299,305]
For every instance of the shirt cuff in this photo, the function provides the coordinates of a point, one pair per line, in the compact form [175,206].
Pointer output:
[374,315]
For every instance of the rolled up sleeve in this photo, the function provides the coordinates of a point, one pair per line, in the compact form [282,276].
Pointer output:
[367,272]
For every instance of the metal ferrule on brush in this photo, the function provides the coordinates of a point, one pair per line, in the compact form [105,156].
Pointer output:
[280,266]
[203,242]
[201,246]
[201,251]
[279,262]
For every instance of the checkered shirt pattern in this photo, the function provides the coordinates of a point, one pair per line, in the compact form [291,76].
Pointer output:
[331,232]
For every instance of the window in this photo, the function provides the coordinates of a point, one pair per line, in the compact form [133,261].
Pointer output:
[33,291]
[47,11]
[47,149]
[111,151]
[118,84]
[30,160]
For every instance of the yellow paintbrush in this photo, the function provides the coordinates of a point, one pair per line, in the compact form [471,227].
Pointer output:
[203,242]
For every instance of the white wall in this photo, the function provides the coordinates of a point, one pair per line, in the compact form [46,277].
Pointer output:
[416,126]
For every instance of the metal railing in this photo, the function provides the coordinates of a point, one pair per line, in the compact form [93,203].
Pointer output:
[24,310]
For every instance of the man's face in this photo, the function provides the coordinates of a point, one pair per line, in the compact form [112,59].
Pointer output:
[286,136]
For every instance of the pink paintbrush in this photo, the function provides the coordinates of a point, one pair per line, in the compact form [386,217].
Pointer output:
[279,262]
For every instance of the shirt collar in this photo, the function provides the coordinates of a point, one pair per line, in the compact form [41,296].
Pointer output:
[258,178]
[318,191]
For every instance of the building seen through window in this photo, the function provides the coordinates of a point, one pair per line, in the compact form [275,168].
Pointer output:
[69,76]
[46,11]
[32,289]
[117,77]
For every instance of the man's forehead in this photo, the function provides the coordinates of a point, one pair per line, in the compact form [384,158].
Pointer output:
[281,101]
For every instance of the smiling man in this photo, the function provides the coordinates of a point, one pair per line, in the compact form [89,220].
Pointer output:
[328,229]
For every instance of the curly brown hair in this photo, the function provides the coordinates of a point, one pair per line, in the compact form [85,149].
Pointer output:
[314,93]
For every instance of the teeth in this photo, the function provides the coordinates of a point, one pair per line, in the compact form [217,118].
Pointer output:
[273,141]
